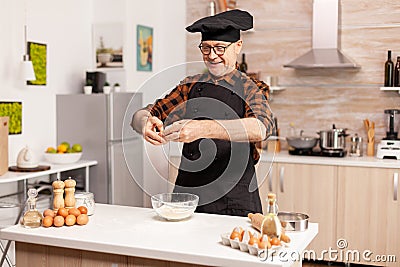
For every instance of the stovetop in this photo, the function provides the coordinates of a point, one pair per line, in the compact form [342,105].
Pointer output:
[318,152]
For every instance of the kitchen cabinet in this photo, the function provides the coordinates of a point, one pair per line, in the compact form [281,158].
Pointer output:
[368,211]
[305,188]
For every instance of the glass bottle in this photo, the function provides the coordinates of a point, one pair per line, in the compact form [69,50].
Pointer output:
[272,225]
[243,65]
[389,66]
[32,217]
[396,82]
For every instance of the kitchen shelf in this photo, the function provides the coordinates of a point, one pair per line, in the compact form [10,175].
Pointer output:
[390,89]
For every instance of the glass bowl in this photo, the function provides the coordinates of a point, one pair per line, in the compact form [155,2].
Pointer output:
[174,206]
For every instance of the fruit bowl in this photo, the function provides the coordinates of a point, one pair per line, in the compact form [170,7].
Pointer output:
[174,206]
[65,158]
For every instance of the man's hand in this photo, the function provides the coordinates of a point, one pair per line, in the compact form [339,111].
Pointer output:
[184,131]
[150,134]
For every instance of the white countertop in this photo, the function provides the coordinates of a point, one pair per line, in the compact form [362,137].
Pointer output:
[364,161]
[140,232]
[11,176]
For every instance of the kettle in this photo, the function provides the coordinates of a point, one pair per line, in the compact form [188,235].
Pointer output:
[27,159]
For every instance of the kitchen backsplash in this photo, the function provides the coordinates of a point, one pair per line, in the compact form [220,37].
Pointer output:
[315,99]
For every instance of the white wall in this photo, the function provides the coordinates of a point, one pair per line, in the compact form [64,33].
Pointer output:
[66,28]
[68,47]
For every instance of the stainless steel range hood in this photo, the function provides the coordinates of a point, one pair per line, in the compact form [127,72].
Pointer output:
[325,52]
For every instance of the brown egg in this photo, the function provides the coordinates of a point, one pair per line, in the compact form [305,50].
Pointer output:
[70,220]
[58,221]
[74,211]
[62,212]
[49,212]
[82,209]
[82,219]
[47,221]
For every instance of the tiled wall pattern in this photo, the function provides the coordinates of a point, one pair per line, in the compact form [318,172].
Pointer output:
[315,99]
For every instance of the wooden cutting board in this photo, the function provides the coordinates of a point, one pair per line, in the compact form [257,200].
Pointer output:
[36,169]
[3,145]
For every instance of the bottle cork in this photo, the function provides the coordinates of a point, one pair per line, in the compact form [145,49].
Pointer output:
[58,197]
[70,193]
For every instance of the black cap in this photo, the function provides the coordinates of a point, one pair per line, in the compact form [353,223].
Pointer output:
[225,26]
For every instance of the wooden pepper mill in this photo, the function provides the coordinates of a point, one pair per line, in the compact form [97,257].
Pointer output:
[70,193]
[58,198]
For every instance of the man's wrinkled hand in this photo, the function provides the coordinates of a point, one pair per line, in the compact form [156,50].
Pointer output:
[153,131]
[185,131]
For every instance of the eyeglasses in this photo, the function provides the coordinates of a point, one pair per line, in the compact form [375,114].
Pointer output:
[219,50]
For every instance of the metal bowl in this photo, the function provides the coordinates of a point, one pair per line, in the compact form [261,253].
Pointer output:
[293,221]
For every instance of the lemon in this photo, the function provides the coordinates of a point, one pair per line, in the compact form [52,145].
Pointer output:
[77,148]
[69,150]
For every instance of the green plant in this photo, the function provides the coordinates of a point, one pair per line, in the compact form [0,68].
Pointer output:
[116,84]
[13,110]
[89,83]
[106,84]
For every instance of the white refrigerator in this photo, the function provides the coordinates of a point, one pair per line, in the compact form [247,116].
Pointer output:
[100,123]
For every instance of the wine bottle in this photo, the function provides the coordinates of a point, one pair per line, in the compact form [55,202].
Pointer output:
[396,75]
[243,65]
[389,66]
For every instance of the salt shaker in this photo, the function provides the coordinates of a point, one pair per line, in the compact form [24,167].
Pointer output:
[58,198]
[356,148]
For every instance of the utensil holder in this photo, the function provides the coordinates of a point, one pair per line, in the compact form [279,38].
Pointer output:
[370,148]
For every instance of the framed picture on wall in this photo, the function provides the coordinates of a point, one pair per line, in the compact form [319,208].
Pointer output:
[109,42]
[38,54]
[144,48]
[13,110]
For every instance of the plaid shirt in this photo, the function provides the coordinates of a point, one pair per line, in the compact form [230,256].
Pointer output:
[255,95]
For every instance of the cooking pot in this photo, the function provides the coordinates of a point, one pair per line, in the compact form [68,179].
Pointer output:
[333,139]
[302,142]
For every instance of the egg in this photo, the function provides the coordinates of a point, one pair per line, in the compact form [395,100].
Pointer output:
[74,211]
[253,240]
[70,220]
[237,233]
[83,209]
[47,221]
[49,212]
[264,243]
[275,241]
[82,219]
[62,212]
[58,221]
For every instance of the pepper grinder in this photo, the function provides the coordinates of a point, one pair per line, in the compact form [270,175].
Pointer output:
[70,193]
[58,198]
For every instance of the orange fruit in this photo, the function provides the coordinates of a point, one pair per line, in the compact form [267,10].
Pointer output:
[62,148]
[51,150]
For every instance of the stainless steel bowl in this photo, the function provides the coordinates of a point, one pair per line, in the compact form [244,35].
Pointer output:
[293,221]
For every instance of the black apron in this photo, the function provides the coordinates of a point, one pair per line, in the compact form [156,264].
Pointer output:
[220,172]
